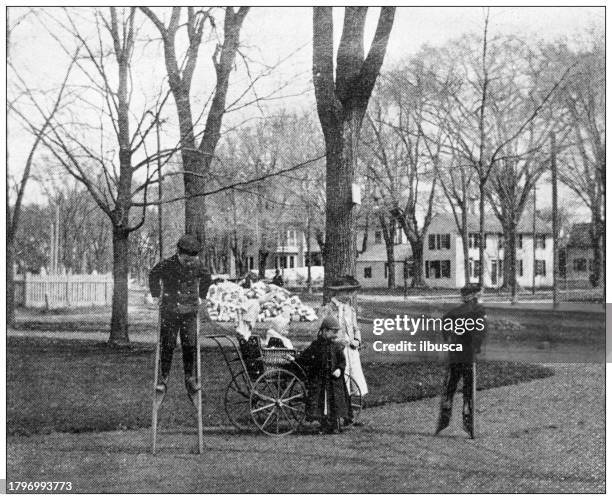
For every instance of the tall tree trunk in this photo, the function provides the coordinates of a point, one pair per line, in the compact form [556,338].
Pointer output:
[481,247]
[262,262]
[340,251]
[465,244]
[418,278]
[10,282]
[308,256]
[391,266]
[119,314]
[597,247]
[510,282]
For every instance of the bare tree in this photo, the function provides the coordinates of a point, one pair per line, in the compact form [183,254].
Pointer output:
[583,164]
[490,116]
[116,173]
[197,158]
[406,158]
[341,105]
[13,209]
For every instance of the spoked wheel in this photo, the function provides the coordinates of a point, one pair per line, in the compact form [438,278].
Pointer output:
[237,402]
[278,402]
[355,397]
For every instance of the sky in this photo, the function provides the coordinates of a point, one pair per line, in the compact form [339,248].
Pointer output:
[280,37]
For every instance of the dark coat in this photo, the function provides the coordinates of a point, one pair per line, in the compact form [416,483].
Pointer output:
[278,280]
[471,341]
[327,396]
[181,291]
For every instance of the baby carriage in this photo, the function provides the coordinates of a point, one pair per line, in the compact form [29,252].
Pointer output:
[267,389]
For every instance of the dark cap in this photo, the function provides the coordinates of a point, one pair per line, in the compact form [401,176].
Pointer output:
[471,289]
[344,284]
[329,323]
[188,244]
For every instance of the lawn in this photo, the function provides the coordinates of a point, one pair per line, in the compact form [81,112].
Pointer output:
[81,386]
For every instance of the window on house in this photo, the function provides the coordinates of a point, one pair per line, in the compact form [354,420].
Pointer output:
[474,268]
[580,265]
[250,263]
[386,269]
[439,241]
[540,269]
[377,237]
[291,237]
[540,241]
[283,262]
[519,241]
[474,240]
[591,264]
[519,266]
[445,268]
[500,268]
[500,240]
[437,269]
[367,272]
[399,236]
[291,261]
[446,240]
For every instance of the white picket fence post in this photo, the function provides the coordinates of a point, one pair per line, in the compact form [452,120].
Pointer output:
[71,290]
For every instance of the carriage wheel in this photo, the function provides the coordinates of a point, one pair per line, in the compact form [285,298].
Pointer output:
[355,396]
[278,402]
[237,402]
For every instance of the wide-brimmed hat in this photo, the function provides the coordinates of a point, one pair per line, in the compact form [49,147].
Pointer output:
[189,245]
[344,284]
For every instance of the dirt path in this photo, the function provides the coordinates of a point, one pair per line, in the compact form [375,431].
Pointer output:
[543,436]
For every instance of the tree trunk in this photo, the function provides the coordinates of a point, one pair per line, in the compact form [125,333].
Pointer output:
[481,247]
[364,241]
[391,266]
[340,251]
[418,279]
[261,262]
[308,257]
[465,244]
[119,315]
[10,283]
[510,261]
[597,253]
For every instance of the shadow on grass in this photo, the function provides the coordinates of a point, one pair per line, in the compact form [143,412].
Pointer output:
[84,386]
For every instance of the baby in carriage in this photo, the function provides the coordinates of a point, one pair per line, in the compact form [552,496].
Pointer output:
[324,364]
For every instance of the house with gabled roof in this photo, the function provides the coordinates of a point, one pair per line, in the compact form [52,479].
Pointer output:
[443,254]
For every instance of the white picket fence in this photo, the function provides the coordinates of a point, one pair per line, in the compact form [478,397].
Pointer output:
[70,290]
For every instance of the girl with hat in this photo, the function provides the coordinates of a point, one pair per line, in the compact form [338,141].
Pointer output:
[324,364]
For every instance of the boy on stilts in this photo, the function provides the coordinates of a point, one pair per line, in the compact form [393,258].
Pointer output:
[185,281]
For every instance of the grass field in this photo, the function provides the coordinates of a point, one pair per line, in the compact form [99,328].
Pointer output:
[81,386]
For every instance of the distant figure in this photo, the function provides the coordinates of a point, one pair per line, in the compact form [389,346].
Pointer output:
[324,364]
[461,364]
[185,282]
[278,279]
[248,280]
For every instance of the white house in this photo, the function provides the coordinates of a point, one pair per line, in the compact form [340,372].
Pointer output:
[443,255]
[290,251]
[579,254]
